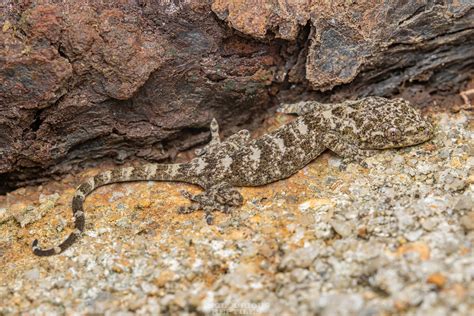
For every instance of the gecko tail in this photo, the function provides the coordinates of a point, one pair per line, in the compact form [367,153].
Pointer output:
[157,172]
[55,250]
[79,221]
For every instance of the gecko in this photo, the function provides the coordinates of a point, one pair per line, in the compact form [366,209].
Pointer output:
[353,129]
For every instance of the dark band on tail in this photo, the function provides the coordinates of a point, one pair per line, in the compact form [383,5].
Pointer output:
[79,221]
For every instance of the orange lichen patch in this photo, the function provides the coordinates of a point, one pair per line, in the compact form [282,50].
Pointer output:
[421,248]
[437,279]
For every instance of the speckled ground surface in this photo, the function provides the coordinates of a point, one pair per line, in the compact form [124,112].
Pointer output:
[396,238]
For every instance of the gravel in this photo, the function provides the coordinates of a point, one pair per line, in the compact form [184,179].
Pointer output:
[395,238]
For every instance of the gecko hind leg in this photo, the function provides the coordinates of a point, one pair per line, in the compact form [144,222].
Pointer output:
[233,142]
[221,197]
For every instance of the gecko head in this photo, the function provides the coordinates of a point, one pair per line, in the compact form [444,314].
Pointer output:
[382,123]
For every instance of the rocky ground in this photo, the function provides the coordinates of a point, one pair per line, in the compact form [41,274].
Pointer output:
[395,238]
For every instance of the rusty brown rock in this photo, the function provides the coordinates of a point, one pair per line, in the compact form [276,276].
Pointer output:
[363,42]
[85,81]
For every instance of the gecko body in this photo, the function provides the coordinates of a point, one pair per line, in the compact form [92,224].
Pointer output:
[352,129]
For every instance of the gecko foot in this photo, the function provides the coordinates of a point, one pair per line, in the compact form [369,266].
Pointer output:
[221,197]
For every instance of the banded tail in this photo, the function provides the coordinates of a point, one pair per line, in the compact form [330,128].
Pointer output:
[156,172]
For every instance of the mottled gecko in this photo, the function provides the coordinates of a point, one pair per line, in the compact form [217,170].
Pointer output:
[352,130]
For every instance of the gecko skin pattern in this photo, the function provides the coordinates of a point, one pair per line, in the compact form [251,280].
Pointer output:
[352,129]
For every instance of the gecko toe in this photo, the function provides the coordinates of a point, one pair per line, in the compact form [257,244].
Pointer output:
[188,209]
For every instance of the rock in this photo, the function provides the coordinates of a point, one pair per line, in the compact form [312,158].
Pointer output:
[300,258]
[4,215]
[413,235]
[298,275]
[341,304]
[429,224]
[388,280]
[437,279]
[419,248]
[467,221]
[464,203]
[343,228]
[32,274]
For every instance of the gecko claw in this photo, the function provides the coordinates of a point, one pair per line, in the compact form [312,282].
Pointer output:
[209,218]
[187,195]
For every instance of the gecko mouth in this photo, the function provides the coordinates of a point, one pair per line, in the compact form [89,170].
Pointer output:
[418,136]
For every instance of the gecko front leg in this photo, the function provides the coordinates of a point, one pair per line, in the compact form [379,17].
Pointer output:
[220,197]
[349,152]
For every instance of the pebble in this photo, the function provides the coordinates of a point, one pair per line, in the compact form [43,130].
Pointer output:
[464,203]
[413,235]
[343,228]
[32,274]
[300,258]
[467,221]
[437,279]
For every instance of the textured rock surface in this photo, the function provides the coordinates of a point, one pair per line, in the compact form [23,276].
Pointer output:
[393,239]
[117,80]
[385,44]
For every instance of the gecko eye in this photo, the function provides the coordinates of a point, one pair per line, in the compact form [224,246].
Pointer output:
[393,134]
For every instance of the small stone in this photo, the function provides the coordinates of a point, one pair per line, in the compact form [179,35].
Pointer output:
[398,160]
[4,216]
[298,275]
[334,162]
[424,168]
[429,224]
[467,221]
[32,274]
[464,203]
[444,153]
[117,269]
[267,250]
[344,229]
[456,185]
[388,280]
[420,248]
[149,288]
[362,232]
[413,235]
[400,305]
[437,279]
[300,258]
[164,277]
[314,204]
[323,230]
